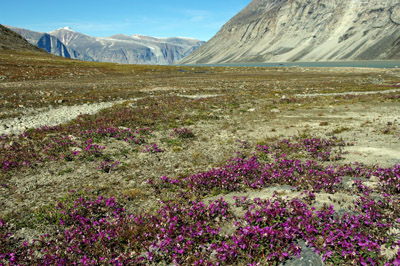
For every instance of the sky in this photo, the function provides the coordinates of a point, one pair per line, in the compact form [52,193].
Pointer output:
[200,19]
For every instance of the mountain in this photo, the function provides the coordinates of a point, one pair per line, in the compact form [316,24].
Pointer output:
[53,45]
[135,49]
[49,43]
[10,40]
[308,30]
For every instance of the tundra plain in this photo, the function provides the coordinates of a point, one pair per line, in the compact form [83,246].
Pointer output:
[169,143]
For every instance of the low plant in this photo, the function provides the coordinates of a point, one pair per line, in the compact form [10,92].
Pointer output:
[153,148]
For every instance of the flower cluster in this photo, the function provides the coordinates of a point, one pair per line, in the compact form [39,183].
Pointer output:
[100,232]
[108,166]
[188,231]
[152,149]
[26,153]
[183,133]
[241,173]
[125,134]
[389,179]
[316,148]
[122,122]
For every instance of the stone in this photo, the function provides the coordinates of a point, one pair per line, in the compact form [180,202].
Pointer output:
[307,257]
[349,212]
[275,110]
[395,14]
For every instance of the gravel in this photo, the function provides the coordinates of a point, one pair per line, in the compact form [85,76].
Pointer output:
[50,117]
[346,93]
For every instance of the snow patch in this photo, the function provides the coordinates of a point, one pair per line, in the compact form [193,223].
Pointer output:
[68,28]
[65,28]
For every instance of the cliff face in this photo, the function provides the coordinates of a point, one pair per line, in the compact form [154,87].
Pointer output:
[307,30]
[49,43]
[54,46]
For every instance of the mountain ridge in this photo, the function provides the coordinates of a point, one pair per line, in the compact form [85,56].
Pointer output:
[311,30]
[120,48]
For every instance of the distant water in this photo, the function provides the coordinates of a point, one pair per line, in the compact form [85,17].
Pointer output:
[369,64]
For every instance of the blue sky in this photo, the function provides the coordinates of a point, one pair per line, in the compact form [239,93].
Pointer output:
[199,19]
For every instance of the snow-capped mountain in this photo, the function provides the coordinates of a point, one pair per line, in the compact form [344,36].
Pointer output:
[135,49]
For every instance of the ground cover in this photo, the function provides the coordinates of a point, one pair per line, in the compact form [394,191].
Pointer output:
[200,166]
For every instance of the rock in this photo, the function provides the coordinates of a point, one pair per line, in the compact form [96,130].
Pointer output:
[275,110]
[388,252]
[27,234]
[72,137]
[395,14]
[391,252]
[338,200]
[307,257]
[342,212]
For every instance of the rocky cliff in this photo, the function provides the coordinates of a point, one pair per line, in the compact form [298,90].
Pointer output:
[50,44]
[307,30]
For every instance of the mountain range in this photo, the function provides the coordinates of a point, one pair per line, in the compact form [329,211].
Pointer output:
[135,49]
[307,30]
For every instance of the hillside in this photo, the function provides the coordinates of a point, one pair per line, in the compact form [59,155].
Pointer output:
[325,30]
[9,40]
